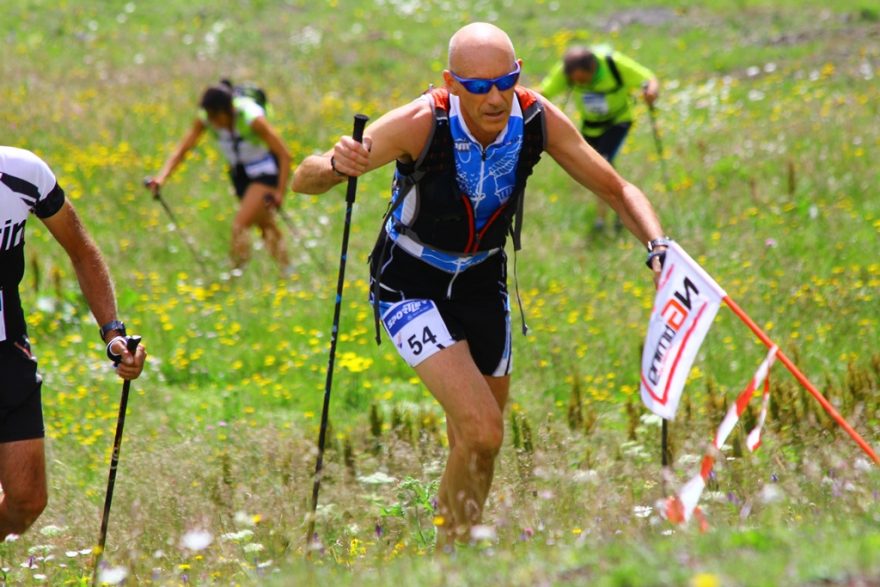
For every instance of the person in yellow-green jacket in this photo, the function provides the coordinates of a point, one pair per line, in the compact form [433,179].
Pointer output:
[603,82]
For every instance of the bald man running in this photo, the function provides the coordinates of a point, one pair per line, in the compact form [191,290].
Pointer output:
[463,154]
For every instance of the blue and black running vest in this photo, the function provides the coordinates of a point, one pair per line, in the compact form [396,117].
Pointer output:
[454,206]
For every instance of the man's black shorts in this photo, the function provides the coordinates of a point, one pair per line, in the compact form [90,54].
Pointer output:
[474,304]
[21,411]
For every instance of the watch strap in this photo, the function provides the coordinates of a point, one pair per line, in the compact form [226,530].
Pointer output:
[116,325]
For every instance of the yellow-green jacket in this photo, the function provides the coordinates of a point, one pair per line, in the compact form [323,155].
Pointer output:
[607,99]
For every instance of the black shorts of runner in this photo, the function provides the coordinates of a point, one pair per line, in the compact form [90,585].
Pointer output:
[609,142]
[241,181]
[476,311]
[21,411]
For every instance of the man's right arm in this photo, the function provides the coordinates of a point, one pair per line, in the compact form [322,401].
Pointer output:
[398,134]
[190,140]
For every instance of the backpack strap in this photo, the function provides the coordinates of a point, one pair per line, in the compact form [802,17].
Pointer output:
[612,67]
[534,143]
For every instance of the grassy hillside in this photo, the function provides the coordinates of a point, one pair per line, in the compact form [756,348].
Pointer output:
[769,115]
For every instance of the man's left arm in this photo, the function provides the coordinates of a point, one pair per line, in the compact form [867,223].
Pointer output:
[94,280]
[587,167]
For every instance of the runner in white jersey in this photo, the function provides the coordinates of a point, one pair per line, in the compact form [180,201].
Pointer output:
[463,154]
[259,166]
[27,186]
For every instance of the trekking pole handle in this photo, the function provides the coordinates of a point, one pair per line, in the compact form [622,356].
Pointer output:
[360,121]
[131,343]
[147,181]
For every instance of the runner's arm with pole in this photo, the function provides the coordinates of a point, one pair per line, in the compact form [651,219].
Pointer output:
[92,274]
[154,184]
[126,353]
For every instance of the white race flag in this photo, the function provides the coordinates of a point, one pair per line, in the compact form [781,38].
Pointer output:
[686,303]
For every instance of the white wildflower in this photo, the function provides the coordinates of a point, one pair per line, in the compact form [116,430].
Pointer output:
[480,533]
[244,519]
[377,478]
[112,575]
[240,536]
[770,494]
[642,511]
[196,540]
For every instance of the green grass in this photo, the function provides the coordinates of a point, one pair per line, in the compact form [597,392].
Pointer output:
[225,416]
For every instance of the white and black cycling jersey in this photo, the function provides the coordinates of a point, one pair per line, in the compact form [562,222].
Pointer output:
[27,185]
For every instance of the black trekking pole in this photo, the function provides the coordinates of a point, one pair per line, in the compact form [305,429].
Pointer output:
[294,231]
[658,144]
[158,197]
[360,121]
[131,342]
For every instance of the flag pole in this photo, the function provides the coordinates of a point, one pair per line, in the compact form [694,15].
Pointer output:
[802,379]
[664,443]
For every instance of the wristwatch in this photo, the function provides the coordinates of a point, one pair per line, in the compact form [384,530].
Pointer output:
[111,326]
[663,241]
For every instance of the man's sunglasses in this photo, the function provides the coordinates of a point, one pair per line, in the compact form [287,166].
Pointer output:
[478,85]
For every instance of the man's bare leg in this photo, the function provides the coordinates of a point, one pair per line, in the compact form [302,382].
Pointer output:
[23,477]
[473,405]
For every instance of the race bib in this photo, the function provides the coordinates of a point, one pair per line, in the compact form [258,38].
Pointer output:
[2,318]
[417,329]
[265,166]
[595,104]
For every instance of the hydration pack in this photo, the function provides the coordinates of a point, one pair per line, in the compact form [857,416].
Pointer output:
[248,90]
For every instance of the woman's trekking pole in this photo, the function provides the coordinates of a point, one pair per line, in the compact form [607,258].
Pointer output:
[360,122]
[294,231]
[158,196]
[131,343]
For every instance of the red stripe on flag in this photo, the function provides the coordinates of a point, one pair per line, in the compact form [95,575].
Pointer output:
[706,468]
[680,351]
[681,348]
[666,277]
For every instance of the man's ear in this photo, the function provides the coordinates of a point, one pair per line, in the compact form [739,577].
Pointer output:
[449,81]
